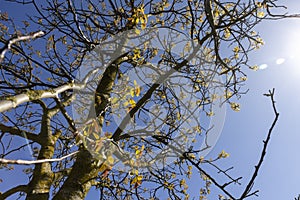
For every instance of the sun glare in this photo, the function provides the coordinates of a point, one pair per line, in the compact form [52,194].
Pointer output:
[293,45]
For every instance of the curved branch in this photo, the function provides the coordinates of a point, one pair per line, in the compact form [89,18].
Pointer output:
[18,132]
[264,151]
[19,188]
[12,41]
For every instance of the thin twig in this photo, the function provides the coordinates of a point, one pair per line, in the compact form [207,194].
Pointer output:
[264,151]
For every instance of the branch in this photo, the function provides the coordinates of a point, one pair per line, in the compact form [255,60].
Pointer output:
[31,162]
[18,132]
[214,181]
[12,41]
[60,174]
[19,188]
[264,151]
[116,135]
[201,170]
[31,95]
[64,112]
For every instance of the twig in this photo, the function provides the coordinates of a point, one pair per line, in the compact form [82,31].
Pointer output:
[264,151]
[12,41]
[214,181]
[31,162]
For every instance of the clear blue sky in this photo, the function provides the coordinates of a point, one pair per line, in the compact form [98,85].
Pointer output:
[244,131]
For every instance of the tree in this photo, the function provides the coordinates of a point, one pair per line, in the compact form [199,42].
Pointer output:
[115,94]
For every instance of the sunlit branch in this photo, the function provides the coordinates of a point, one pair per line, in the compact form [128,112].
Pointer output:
[14,101]
[32,162]
[10,42]
[76,21]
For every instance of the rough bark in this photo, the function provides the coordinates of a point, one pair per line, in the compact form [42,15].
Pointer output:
[80,178]
[39,186]
[85,169]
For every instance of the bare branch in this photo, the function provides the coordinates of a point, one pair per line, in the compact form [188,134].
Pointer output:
[264,151]
[18,132]
[19,188]
[12,41]
[14,101]
[214,181]
[32,162]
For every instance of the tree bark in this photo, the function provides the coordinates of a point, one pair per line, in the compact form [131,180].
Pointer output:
[85,169]
[40,184]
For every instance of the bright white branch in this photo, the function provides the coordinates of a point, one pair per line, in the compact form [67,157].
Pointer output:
[32,162]
[31,95]
[18,39]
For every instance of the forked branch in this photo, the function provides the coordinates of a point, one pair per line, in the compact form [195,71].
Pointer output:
[12,41]
[247,192]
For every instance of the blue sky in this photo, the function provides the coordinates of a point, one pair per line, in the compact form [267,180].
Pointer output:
[244,131]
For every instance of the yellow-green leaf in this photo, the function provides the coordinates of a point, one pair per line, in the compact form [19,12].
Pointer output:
[235,106]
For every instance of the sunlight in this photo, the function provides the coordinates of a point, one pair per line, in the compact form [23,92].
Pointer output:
[263,66]
[280,61]
[293,46]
